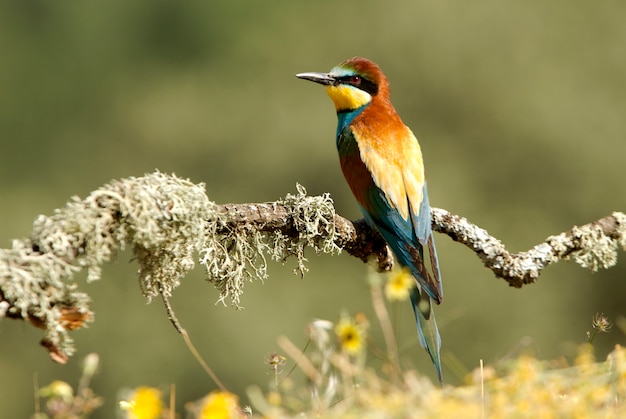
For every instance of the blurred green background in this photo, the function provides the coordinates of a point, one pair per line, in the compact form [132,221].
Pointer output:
[520,108]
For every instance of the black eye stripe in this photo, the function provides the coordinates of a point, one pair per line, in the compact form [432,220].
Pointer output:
[361,83]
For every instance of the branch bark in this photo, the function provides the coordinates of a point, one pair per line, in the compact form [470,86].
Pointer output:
[592,245]
[167,221]
[355,237]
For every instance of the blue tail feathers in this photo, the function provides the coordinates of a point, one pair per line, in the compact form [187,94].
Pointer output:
[427,328]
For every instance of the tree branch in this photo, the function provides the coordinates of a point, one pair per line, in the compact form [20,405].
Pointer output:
[355,237]
[592,246]
[167,221]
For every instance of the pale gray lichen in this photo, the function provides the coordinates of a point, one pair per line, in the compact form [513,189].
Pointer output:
[166,229]
[33,284]
[597,250]
[231,259]
[592,246]
[314,219]
[620,217]
[589,246]
[162,217]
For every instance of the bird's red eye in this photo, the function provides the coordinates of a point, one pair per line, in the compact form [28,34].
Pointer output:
[355,80]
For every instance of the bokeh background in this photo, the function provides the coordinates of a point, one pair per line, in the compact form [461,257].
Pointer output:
[521,112]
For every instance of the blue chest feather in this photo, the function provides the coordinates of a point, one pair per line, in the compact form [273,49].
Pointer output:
[345,118]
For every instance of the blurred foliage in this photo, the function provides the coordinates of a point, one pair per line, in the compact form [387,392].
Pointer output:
[332,381]
[519,108]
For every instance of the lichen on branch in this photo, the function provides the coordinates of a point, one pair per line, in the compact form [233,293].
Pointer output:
[161,217]
[168,221]
[591,246]
[236,250]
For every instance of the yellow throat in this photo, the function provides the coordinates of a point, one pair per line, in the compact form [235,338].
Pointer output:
[348,97]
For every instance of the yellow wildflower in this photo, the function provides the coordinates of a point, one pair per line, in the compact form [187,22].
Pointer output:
[399,285]
[220,405]
[144,403]
[350,335]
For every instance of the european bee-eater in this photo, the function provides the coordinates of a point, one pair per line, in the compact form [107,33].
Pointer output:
[382,163]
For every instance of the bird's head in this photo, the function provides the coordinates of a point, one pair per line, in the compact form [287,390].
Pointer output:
[352,84]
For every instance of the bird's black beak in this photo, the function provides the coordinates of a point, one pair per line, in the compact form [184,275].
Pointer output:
[321,78]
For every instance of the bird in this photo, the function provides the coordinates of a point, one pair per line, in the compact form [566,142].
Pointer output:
[382,163]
